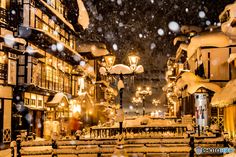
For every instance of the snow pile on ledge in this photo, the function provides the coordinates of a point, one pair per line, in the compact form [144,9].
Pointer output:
[226,96]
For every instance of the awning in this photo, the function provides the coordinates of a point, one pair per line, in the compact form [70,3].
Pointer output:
[193,87]
[226,96]
[57,99]
[232,57]
[182,47]
[95,49]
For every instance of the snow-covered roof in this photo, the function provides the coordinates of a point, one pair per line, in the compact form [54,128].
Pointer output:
[179,38]
[213,39]
[189,29]
[195,82]
[83,19]
[193,87]
[58,98]
[96,50]
[226,96]
[180,50]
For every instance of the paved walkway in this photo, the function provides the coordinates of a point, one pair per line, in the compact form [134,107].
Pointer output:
[5,153]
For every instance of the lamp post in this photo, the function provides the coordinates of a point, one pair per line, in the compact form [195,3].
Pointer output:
[143,93]
[136,101]
[156,102]
[121,70]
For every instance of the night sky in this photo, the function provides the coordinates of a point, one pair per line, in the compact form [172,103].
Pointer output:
[148,27]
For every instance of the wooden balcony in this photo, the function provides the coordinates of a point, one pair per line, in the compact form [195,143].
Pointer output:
[3,71]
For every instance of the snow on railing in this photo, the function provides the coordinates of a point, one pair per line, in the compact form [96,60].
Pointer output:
[108,146]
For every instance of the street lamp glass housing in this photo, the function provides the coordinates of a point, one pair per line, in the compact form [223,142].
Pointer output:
[110,60]
[133,61]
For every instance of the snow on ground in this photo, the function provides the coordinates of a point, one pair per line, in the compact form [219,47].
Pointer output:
[5,153]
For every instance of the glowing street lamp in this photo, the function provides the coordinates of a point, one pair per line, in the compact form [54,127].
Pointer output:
[156,102]
[110,60]
[136,101]
[121,70]
[133,61]
[143,93]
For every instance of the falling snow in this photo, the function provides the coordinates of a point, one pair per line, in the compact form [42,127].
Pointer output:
[9,40]
[202,14]
[208,22]
[60,47]
[152,46]
[174,26]
[160,32]
[119,2]
[82,63]
[115,47]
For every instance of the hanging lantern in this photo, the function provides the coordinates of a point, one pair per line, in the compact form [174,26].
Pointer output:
[133,61]
[110,60]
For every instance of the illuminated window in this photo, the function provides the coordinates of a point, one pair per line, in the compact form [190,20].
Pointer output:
[45,27]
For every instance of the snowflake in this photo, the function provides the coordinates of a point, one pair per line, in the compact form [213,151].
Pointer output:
[152,46]
[9,40]
[140,35]
[174,26]
[82,63]
[29,49]
[186,10]
[60,46]
[152,1]
[160,31]
[208,22]
[115,47]
[119,2]
[76,57]
[121,24]
[202,14]
[54,47]
[99,29]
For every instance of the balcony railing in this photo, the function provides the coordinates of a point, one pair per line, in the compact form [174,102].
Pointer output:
[3,71]
[3,17]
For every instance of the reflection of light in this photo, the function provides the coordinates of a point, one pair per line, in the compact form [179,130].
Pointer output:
[77,108]
[131,107]
[90,112]
[62,104]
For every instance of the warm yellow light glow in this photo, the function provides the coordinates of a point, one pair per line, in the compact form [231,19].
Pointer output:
[76,108]
[90,112]
[110,60]
[62,104]
[133,61]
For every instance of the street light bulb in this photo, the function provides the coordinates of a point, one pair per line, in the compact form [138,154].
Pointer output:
[131,107]
[133,61]
[110,60]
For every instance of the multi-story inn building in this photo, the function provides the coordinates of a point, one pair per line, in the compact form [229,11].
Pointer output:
[44,73]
